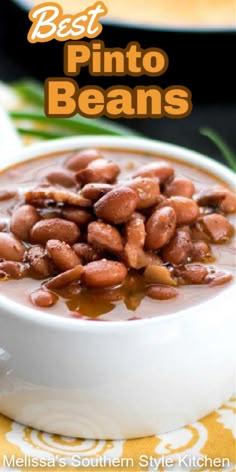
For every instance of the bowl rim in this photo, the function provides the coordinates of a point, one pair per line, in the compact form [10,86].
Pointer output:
[21,312]
[27,5]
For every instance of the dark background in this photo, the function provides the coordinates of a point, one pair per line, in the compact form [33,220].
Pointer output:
[204,62]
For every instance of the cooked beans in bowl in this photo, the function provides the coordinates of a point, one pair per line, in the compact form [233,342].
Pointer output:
[113,235]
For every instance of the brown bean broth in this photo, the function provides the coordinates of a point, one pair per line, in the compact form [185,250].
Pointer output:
[26,175]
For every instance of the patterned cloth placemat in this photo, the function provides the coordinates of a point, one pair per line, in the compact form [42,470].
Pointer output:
[209,444]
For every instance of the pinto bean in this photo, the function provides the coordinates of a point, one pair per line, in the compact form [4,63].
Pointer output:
[77,215]
[15,270]
[135,236]
[95,191]
[219,277]
[55,228]
[161,292]
[36,256]
[62,177]
[117,206]
[161,199]
[65,278]
[11,248]
[179,249]
[98,171]
[105,237]
[218,227]
[201,251]
[4,277]
[217,196]
[22,220]
[192,273]
[82,159]
[7,194]
[148,191]
[103,273]
[43,298]
[3,225]
[179,187]
[63,256]
[135,230]
[161,170]
[86,252]
[186,210]
[198,232]
[160,228]
[132,256]
[228,204]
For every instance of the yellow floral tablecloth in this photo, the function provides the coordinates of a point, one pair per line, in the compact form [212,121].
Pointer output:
[209,444]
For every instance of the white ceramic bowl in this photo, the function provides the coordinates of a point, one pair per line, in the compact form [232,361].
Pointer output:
[118,379]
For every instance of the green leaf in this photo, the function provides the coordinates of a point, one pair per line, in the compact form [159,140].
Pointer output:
[227,152]
[30,90]
[74,125]
[33,93]
[41,134]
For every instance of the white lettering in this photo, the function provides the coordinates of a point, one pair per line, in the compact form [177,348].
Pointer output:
[44,22]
